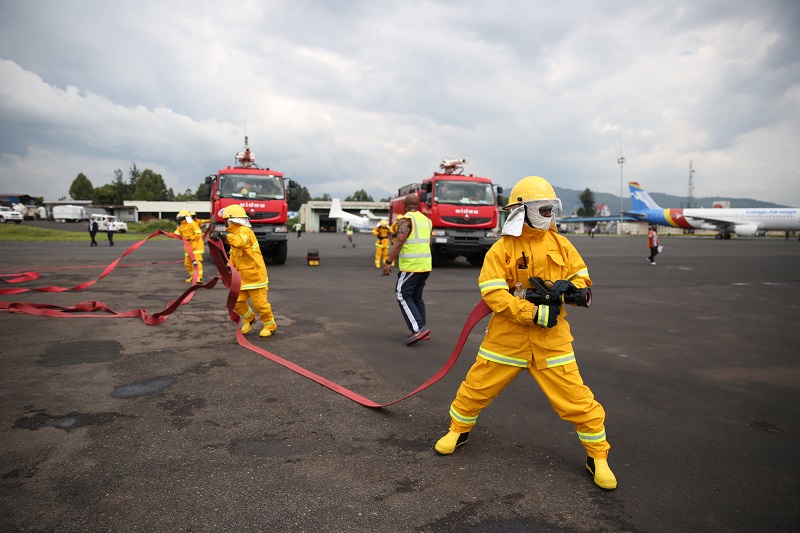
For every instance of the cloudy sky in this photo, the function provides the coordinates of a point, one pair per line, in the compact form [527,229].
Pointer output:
[372,94]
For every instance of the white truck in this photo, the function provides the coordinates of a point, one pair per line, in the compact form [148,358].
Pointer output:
[103,220]
[70,213]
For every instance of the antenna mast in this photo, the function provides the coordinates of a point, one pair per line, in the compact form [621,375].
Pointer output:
[690,199]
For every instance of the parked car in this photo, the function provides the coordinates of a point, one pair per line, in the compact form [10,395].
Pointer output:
[103,220]
[9,215]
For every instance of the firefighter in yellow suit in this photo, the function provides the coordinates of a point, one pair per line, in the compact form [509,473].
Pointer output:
[524,337]
[245,257]
[189,229]
[381,232]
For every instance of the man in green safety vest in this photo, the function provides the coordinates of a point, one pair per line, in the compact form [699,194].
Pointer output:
[413,249]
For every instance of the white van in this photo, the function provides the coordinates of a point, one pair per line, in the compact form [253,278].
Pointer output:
[103,220]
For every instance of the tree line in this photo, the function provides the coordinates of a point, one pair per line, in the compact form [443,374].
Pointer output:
[147,185]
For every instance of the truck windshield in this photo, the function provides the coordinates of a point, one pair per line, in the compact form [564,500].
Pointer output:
[463,193]
[250,186]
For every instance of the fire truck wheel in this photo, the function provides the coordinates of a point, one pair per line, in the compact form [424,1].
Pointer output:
[279,253]
[476,260]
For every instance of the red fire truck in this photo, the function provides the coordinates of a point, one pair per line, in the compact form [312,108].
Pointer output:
[264,195]
[462,208]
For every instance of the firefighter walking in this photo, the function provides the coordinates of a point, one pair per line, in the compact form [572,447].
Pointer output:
[246,258]
[524,337]
[381,232]
[189,229]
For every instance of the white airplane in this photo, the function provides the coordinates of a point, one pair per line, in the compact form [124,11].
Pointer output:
[366,222]
[747,222]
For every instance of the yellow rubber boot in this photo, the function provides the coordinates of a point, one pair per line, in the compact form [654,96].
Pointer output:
[603,476]
[451,441]
[247,325]
[267,332]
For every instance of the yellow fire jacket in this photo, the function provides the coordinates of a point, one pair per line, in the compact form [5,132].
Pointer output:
[512,337]
[245,256]
[193,234]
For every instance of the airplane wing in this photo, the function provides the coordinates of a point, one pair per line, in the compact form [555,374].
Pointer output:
[711,223]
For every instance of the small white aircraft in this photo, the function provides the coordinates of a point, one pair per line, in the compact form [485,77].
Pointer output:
[366,222]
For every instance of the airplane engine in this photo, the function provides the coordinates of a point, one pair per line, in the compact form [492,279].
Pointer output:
[748,230]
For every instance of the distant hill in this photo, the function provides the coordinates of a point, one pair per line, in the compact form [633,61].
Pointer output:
[569,198]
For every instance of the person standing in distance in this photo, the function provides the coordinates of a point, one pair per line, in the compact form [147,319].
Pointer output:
[652,243]
[525,337]
[245,257]
[413,249]
[110,228]
[93,227]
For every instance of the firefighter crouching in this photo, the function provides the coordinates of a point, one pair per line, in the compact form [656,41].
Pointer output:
[246,258]
[381,232]
[189,229]
[524,337]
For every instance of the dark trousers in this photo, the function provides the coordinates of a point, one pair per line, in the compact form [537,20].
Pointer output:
[110,237]
[92,234]
[408,292]
[653,254]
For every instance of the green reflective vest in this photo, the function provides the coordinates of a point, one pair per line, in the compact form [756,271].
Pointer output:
[415,256]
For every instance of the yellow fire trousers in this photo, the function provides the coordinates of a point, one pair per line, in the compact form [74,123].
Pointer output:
[381,253]
[258,299]
[563,386]
[187,262]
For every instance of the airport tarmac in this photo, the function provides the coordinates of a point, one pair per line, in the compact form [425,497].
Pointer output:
[108,424]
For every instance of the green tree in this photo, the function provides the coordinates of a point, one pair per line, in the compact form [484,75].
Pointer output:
[359,196]
[122,191]
[133,178]
[81,188]
[586,198]
[186,196]
[105,195]
[302,197]
[150,187]
[324,198]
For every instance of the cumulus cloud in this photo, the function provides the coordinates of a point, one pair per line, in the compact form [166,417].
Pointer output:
[373,94]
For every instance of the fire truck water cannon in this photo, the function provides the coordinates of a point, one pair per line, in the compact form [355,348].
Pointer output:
[245,158]
[542,293]
[450,166]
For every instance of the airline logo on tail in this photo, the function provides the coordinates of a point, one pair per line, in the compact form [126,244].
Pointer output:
[641,200]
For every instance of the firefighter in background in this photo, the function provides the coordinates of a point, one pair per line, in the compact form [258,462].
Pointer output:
[381,232]
[189,229]
[524,337]
[246,258]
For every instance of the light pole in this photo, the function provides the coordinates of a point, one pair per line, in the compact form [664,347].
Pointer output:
[621,163]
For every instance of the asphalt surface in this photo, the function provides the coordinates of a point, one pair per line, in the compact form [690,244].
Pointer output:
[108,424]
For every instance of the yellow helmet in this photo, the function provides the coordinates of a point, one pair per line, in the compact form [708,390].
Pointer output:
[234,211]
[529,189]
[384,223]
[183,213]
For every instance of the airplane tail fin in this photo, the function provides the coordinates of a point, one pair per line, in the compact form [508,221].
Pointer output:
[336,209]
[640,199]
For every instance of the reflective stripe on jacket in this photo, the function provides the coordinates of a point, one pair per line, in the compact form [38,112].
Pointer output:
[415,255]
[512,338]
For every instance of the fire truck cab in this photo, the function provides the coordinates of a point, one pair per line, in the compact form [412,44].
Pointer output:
[264,195]
[462,209]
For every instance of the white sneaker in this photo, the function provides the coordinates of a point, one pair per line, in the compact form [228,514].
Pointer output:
[653,263]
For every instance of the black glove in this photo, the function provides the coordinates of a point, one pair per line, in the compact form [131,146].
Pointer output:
[546,315]
[563,286]
[214,235]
